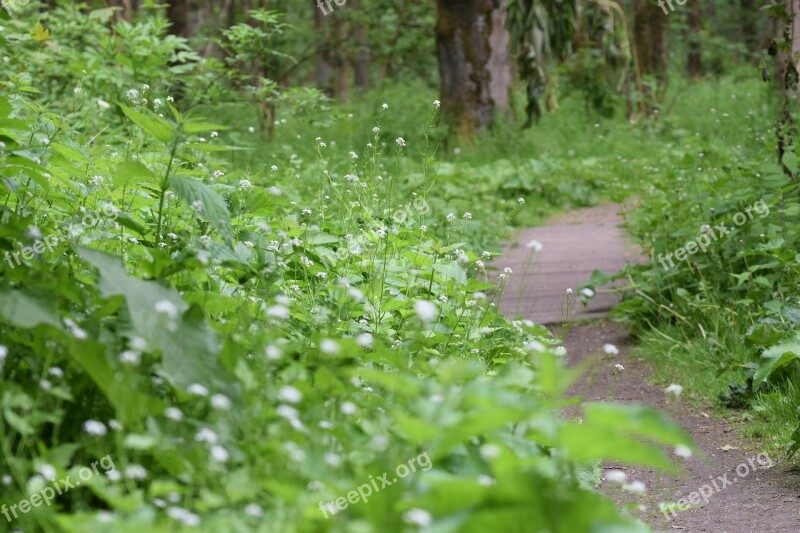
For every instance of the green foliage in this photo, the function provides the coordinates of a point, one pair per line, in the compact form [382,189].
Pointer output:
[729,312]
[248,342]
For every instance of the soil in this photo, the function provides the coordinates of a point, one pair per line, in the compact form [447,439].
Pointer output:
[756,498]
[763,498]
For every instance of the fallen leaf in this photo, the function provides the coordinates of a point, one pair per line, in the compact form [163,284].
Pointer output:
[728,448]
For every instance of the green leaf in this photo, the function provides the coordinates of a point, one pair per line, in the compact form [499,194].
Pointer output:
[451,271]
[133,172]
[152,125]
[211,206]
[24,312]
[616,432]
[206,147]
[131,404]
[189,347]
[780,356]
[198,127]
[74,153]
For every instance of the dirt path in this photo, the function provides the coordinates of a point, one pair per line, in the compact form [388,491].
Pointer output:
[730,486]
[573,245]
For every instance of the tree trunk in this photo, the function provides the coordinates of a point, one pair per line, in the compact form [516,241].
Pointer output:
[788,60]
[694,59]
[650,41]
[361,64]
[179,14]
[323,70]
[339,61]
[473,47]
[748,17]
[650,38]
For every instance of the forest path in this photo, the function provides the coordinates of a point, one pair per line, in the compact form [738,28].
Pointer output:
[754,498]
[573,245]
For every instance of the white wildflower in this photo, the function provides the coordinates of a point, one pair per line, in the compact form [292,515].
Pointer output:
[173,413]
[637,487]
[197,389]
[610,349]
[278,311]
[165,307]
[332,459]
[674,389]
[206,435]
[253,510]
[535,245]
[418,517]
[616,476]
[365,340]
[47,471]
[130,357]
[683,451]
[219,454]
[426,311]
[289,394]
[220,402]
[95,427]
[180,514]
[328,346]
[349,408]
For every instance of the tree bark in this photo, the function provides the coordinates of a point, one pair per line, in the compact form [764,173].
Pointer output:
[788,73]
[650,38]
[694,59]
[323,71]
[473,48]
[339,61]
[361,64]
[748,17]
[179,14]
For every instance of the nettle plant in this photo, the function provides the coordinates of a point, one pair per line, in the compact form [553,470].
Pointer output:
[246,344]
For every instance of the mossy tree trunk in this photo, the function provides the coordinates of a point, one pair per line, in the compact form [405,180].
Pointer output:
[473,48]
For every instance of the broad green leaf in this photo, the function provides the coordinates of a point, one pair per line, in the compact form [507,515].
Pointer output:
[152,125]
[24,312]
[208,203]
[780,356]
[451,271]
[131,173]
[131,404]
[70,152]
[189,347]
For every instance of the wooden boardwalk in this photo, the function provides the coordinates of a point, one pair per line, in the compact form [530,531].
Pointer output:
[572,247]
